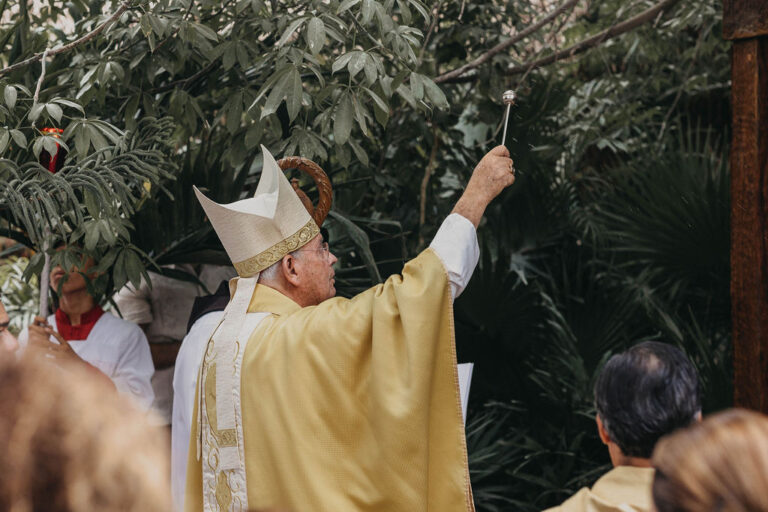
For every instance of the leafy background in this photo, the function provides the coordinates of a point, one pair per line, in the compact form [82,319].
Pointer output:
[616,231]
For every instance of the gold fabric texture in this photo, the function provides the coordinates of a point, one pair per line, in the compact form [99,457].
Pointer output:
[353,405]
[264,259]
[622,489]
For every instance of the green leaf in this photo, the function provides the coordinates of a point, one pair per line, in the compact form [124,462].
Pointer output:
[359,153]
[54,111]
[293,101]
[253,136]
[146,25]
[235,113]
[370,69]
[37,147]
[405,93]
[290,30]
[130,110]
[356,63]
[242,56]
[157,24]
[421,8]
[51,145]
[315,35]
[10,96]
[342,124]
[276,96]
[68,103]
[91,235]
[341,62]
[91,204]
[417,87]
[117,70]
[435,93]
[19,138]
[106,231]
[118,270]
[4,139]
[346,4]
[360,113]
[82,141]
[133,268]
[380,108]
[367,11]
[35,111]
[405,12]
[377,100]
[205,31]
[229,56]
[363,243]
[97,139]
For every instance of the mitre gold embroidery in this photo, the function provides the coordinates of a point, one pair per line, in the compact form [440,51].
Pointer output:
[264,259]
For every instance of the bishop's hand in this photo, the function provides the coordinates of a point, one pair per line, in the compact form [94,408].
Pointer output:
[492,174]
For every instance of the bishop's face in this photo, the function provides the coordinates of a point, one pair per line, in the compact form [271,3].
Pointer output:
[315,265]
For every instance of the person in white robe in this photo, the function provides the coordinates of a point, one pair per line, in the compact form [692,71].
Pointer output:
[81,333]
[161,310]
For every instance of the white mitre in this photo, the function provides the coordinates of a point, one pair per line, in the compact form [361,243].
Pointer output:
[258,231]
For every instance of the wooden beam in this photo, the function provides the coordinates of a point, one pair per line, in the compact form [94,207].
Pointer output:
[744,18]
[749,222]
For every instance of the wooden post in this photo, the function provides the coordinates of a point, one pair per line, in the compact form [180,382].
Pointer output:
[746,23]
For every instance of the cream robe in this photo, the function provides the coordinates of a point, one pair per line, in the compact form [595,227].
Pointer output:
[622,489]
[352,404]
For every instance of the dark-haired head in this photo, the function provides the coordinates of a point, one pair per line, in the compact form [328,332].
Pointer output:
[644,393]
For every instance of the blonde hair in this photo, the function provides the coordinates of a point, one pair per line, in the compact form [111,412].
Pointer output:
[68,444]
[720,464]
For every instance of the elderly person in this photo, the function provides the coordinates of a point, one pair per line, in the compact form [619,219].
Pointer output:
[313,402]
[642,394]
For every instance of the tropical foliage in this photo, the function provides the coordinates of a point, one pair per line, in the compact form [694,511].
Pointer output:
[615,232]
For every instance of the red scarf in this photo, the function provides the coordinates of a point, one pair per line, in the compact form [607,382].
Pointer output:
[81,331]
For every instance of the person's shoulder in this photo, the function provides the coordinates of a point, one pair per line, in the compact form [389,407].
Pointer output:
[576,503]
[205,321]
[117,328]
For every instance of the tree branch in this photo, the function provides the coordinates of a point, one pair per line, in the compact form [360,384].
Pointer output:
[596,40]
[184,81]
[482,59]
[87,37]
[432,27]
[423,188]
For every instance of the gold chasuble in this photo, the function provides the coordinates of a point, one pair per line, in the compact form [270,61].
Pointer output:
[351,405]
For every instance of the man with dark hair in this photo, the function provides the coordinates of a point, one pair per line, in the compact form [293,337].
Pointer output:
[641,395]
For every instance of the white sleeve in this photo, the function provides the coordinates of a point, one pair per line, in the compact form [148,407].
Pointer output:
[456,245]
[134,304]
[134,370]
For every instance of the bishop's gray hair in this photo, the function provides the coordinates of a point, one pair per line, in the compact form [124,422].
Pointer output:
[271,272]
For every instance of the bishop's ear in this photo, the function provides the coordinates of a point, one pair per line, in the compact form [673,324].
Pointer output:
[288,266]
